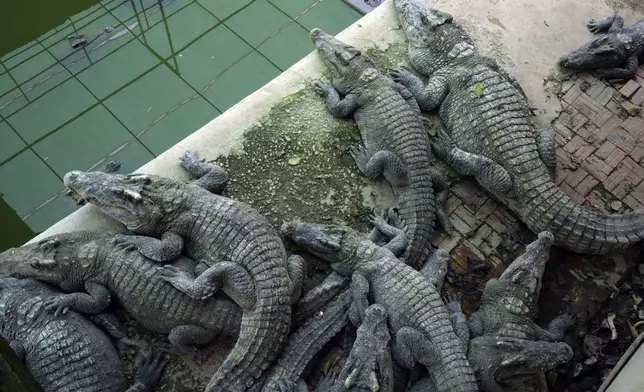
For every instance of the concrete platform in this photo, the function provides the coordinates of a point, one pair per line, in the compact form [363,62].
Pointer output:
[255,139]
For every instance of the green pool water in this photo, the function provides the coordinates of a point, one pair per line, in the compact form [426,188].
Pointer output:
[150,73]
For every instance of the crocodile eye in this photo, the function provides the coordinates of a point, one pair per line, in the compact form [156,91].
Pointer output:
[46,264]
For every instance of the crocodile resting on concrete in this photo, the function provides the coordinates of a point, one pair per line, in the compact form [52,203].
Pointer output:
[66,352]
[94,268]
[508,351]
[396,144]
[615,54]
[244,253]
[491,134]
[422,325]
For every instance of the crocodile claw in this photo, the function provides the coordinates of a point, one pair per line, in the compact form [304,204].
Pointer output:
[453,302]
[400,75]
[361,156]
[322,88]
[151,369]
[125,242]
[57,305]
[184,282]
[594,26]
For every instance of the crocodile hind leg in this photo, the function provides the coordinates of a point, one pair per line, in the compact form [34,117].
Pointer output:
[229,277]
[408,96]
[185,337]
[429,96]
[149,373]
[209,176]
[626,72]
[382,163]
[360,290]
[440,199]
[411,346]
[435,268]
[488,173]
[95,300]
[556,329]
[611,24]
[547,149]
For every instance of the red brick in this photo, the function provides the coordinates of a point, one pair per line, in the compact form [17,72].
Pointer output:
[614,180]
[568,190]
[562,130]
[561,175]
[629,88]
[605,150]
[601,93]
[584,152]
[615,107]
[575,144]
[639,80]
[572,119]
[572,94]
[563,159]
[587,106]
[634,126]
[610,125]
[638,97]
[640,72]
[573,179]
[638,153]
[596,167]
[634,172]
[615,157]
[633,202]
[586,185]
[595,202]
[602,117]
[622,189]
[638,193]
[622,139]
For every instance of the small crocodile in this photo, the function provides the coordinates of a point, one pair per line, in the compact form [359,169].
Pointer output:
[417,314]
[615,54]
[491,134]
[509,352]
[94,268]
[66,352]
[243,253]
[396,144]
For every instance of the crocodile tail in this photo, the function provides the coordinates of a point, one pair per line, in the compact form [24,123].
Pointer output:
[574,227]
[262,332]
[417,207]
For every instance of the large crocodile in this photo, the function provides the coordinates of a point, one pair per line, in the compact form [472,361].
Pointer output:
[615,54]
[396,145]
[245,254]
[491,134]
[417,315]
[93,269]
[65,353]
[509,352]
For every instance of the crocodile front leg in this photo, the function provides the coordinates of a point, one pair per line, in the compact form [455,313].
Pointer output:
[611,24]
[435,268]
[556,329]
[547,149]
[626,72]
[229,277]
[458,319]
[429,96]
[475,324]
[411,346]
[408,96]
[211,177]
[398,240]
[149,373]
[316,298]
[335,105]
[382,163]
[488,173]
[167,249]
[296,272]
[360,290]
[96,300]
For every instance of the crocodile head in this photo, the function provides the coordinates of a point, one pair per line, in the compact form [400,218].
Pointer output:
[52,260]
[141,202]
[333,243]
[607,51]
[517,289]
[350,68]
[502,364]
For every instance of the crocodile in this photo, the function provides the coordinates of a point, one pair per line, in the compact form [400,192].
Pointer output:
[423,331]
[238,251]
[508,351]
[395,143]
[490,134]
[94,268]
[368,367]
[65,352]
[615,54]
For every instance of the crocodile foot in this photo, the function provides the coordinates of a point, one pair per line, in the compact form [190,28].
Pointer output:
[57,305]
[126,242]
[453,302]
[184,282]
[322,88]
[402,76]
[361,156]
[151,369]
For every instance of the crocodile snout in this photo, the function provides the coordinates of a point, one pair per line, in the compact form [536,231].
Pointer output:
[71,177]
